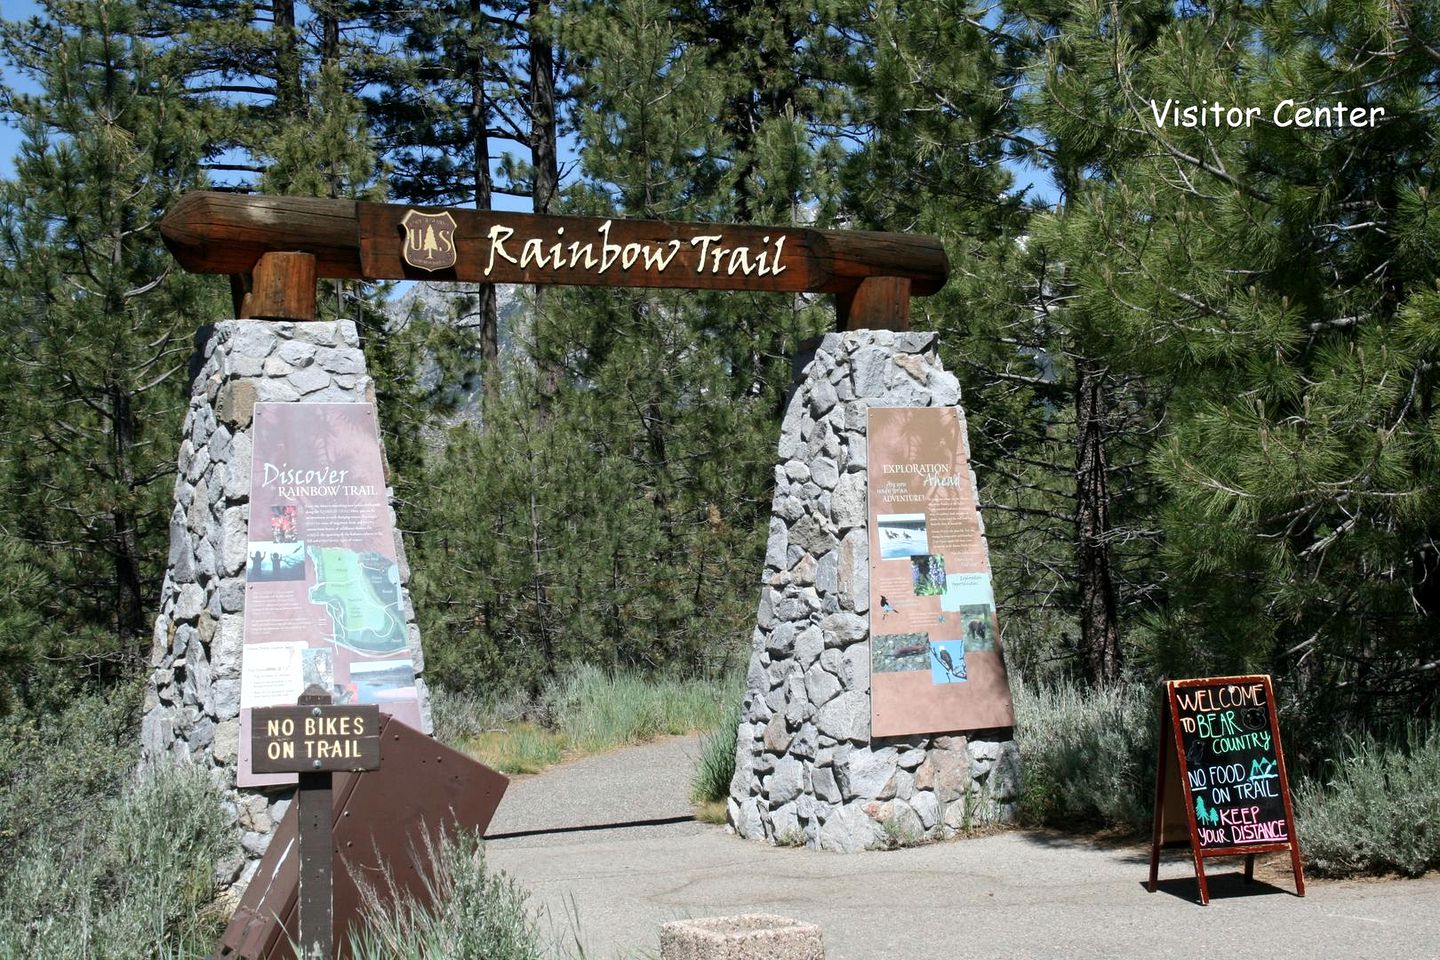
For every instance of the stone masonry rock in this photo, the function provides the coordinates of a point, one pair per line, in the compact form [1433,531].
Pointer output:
[805,763]
[193,703]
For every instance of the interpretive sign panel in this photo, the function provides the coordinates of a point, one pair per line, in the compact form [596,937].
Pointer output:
[302,739]
[323,602]
[1220,752]
[936,664]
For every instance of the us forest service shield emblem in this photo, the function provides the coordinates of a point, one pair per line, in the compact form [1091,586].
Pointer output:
[429,240]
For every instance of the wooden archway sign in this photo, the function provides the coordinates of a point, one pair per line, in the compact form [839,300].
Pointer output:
[275,248]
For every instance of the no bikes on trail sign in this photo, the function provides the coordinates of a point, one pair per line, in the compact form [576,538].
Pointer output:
[315,738]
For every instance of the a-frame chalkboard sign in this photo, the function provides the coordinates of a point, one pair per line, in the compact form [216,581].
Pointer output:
[1222,768]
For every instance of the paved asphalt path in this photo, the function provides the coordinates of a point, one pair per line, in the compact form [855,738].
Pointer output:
[1015,894]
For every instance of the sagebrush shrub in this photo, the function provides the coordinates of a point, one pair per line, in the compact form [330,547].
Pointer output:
[473,913]
[1376,808]
[1089,754]
[133,876]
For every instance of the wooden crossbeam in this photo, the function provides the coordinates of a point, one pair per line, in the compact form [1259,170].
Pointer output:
[872,274]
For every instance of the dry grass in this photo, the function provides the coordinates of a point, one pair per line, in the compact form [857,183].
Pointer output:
[710,811]
[584,710]
[518,747]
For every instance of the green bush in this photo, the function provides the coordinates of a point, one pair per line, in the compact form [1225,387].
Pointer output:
[460,715]
[1089,754]
[131,877]
[54,769]
[472,914]
[715,766]
[1377,810]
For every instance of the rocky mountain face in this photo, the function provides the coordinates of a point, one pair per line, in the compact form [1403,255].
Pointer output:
[455,304]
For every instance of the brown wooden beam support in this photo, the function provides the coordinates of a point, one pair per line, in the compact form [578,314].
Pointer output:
[281,286]
[878,303]
[210,232]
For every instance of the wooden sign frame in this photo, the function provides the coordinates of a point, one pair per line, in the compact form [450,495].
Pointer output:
[275,248]
[1171,746]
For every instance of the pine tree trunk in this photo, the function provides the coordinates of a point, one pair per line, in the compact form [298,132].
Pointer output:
[125,548]
[288,98]
[1099,633]
[543,157]
[543,142]
[542,595]
[484,186]
[329,33]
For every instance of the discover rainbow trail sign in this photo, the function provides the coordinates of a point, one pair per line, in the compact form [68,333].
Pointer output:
[323,603]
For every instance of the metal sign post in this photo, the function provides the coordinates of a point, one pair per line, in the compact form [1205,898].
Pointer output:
[315,738]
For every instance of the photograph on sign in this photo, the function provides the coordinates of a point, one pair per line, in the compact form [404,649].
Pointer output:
[322,574]
[935,657]
[927,574]
[318,665]
[947,661]
[902,535]
[382,681]
[273,560]
[898,652]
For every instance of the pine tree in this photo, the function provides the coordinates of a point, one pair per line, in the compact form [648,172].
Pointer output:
[244,69]
[623,525]
[436,101]
[97,322]
[1278,279]
[940,107]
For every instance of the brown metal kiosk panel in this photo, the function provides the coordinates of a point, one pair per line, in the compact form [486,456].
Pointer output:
[379,816]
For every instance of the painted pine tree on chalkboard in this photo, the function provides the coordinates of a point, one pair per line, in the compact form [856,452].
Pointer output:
[1204,815]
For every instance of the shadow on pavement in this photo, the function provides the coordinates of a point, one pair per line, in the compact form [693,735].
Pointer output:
[584,828]
[1128,848]
[1224,886]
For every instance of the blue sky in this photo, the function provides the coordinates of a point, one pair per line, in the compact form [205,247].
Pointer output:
[10,137]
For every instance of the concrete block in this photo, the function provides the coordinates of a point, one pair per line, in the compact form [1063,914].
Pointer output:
[751,936]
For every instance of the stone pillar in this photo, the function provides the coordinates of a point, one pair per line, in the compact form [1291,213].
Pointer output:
[192,705]
[806,769]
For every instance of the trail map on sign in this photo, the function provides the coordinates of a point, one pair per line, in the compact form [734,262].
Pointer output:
[361,594]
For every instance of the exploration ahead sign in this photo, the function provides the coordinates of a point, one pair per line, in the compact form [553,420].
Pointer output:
[935,659]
